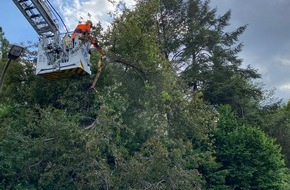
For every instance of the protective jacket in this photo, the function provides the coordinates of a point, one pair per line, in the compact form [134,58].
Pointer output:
[81,29]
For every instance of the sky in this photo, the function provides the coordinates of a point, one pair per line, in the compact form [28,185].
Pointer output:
[266,40]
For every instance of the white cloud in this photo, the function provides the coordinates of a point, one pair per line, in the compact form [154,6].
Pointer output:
[73,10]
[283,60]
[285,86]
[283,92]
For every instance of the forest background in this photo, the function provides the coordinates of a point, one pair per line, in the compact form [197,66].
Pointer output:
[173,109]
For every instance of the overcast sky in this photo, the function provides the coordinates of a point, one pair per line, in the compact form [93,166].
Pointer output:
[266,40]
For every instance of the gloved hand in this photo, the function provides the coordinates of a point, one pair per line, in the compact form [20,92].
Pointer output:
[104,58]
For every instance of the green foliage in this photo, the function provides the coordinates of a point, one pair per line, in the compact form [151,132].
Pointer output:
[194,39]
[252,159]
[276,123]
[4,45]
[41,149]
[161,165]
[152,122]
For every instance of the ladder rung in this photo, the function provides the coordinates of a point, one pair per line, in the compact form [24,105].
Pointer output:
[44,28]
[41,23]
[39,15]
[35,16]
[29,8]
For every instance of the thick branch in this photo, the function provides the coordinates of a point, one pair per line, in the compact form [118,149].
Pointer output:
[127,63]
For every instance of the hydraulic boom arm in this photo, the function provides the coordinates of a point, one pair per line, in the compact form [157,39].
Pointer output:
[39,15]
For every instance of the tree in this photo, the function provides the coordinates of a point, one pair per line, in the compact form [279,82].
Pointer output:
[4,45]
[195,41]
[275,122]
[148,123]
[157,97]
[252,158]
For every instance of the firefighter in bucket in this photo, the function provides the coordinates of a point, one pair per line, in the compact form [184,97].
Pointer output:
[83,30]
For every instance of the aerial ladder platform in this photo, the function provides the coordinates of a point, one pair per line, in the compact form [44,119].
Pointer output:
[57,57]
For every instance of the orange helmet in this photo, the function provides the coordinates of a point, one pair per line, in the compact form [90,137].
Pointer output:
[89,22]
